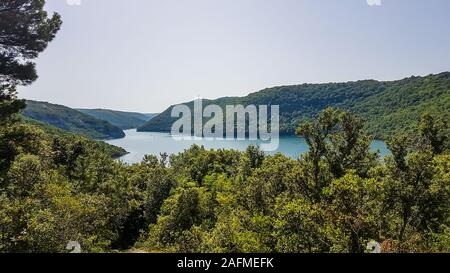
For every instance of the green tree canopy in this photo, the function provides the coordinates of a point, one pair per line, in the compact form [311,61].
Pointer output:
[25,31]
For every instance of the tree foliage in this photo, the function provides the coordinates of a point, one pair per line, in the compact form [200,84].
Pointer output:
[336,198]
[25,31]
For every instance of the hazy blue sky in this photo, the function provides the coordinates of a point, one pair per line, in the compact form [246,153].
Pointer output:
[144,55]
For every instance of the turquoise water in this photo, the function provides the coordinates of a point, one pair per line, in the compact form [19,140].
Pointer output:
[139,144]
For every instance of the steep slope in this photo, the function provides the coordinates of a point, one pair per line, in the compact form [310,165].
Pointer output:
[386,106]
[52,131]
[123,120]
[71,120]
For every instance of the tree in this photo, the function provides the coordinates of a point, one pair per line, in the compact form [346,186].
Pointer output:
[354,209]
[434,133]
[18,139]
[337,145]
[350,147]
[25,31]
[316,136]
[255,155]
[416,185]
[300,227]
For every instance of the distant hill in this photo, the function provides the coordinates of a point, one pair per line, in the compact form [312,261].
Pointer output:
[387,106]
[52,131]
[71,120]
[123,120]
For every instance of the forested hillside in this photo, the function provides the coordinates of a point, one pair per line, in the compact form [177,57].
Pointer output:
[123,120]
[71,120]
[54,132]
[386,106]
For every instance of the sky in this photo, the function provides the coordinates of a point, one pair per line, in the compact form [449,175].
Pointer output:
[145,55]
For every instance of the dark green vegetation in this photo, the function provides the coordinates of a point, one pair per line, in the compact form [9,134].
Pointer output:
[123,120]
[387,107]
[25,31]
[54,132]
[336,198]
[41,204]
[71,120]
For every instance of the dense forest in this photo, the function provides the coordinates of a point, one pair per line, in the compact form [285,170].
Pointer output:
[71,120]
[123,120]
[54,132]
[57,187]
[336,198]
[385,106]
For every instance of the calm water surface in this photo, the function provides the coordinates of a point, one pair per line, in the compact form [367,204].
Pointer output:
[139,144]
